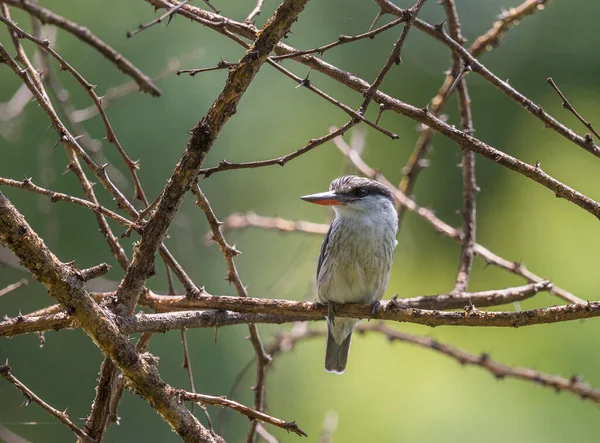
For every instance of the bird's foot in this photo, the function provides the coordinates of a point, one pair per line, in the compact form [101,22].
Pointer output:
[331,312]
[470,308]
[375,309]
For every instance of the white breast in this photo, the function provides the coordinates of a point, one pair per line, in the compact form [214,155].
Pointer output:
[358,257]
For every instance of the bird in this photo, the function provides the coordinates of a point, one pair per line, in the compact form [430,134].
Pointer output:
[356,255]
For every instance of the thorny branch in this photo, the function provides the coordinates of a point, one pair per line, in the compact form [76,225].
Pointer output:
[79,309]
[268,310]
[417,160]
[468,157]
[569,107]
[65,285]
[30,396]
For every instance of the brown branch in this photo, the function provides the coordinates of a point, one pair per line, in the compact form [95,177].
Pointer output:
[13,286]
[256,11]
[85,35]
[27,184]
[252,414]
[224,165]
[507,20]
[286,341]
[468,158]
[168,14]
[224,307]
[250,219]
[221,65]
[498,370]
[5,372]
[111,136]
[66,286]
[262,358]
[395,56]
[343,39]
[569,107]
[282,311]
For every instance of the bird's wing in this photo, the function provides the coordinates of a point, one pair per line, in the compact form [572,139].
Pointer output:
[322,253]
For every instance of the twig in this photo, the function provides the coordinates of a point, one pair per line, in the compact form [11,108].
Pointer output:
[224,165]
[468,157]
[507,20]
[85,35]
[5,372]
[343,39]
[27,184]
[241,221]
[262,358]
[256,11]
[569,107]
[252,414]
[221,65]
[395,56]
[13,286]
[168,14]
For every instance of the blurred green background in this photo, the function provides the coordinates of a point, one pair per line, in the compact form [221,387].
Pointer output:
[389,393]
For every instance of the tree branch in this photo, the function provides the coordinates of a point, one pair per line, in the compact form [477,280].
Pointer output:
[65,285]
[5,372]
[85,35]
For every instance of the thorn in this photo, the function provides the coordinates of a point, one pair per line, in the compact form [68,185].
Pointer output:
[305,82]
[440,27]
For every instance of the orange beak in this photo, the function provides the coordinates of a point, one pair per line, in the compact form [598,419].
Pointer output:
[328,198]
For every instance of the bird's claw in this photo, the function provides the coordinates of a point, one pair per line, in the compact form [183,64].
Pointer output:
[375,309]
[331,312]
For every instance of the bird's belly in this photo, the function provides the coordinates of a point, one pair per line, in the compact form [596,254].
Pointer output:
[356,268]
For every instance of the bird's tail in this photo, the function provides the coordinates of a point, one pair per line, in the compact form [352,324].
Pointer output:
[336,355]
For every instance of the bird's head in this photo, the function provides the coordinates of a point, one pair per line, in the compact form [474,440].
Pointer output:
[352,196]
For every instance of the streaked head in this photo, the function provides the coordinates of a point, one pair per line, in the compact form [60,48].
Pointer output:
[352,195]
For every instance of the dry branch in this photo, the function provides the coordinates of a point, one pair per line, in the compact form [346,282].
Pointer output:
[86,36]
[65,285]
[5,372]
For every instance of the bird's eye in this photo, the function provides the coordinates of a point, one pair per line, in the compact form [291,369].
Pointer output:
[359,192]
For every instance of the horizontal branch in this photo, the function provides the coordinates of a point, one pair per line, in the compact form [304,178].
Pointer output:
[252,414]
[498,370]
[286,341]
[227,310]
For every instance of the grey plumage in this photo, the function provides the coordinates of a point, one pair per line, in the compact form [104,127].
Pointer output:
[356,256]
